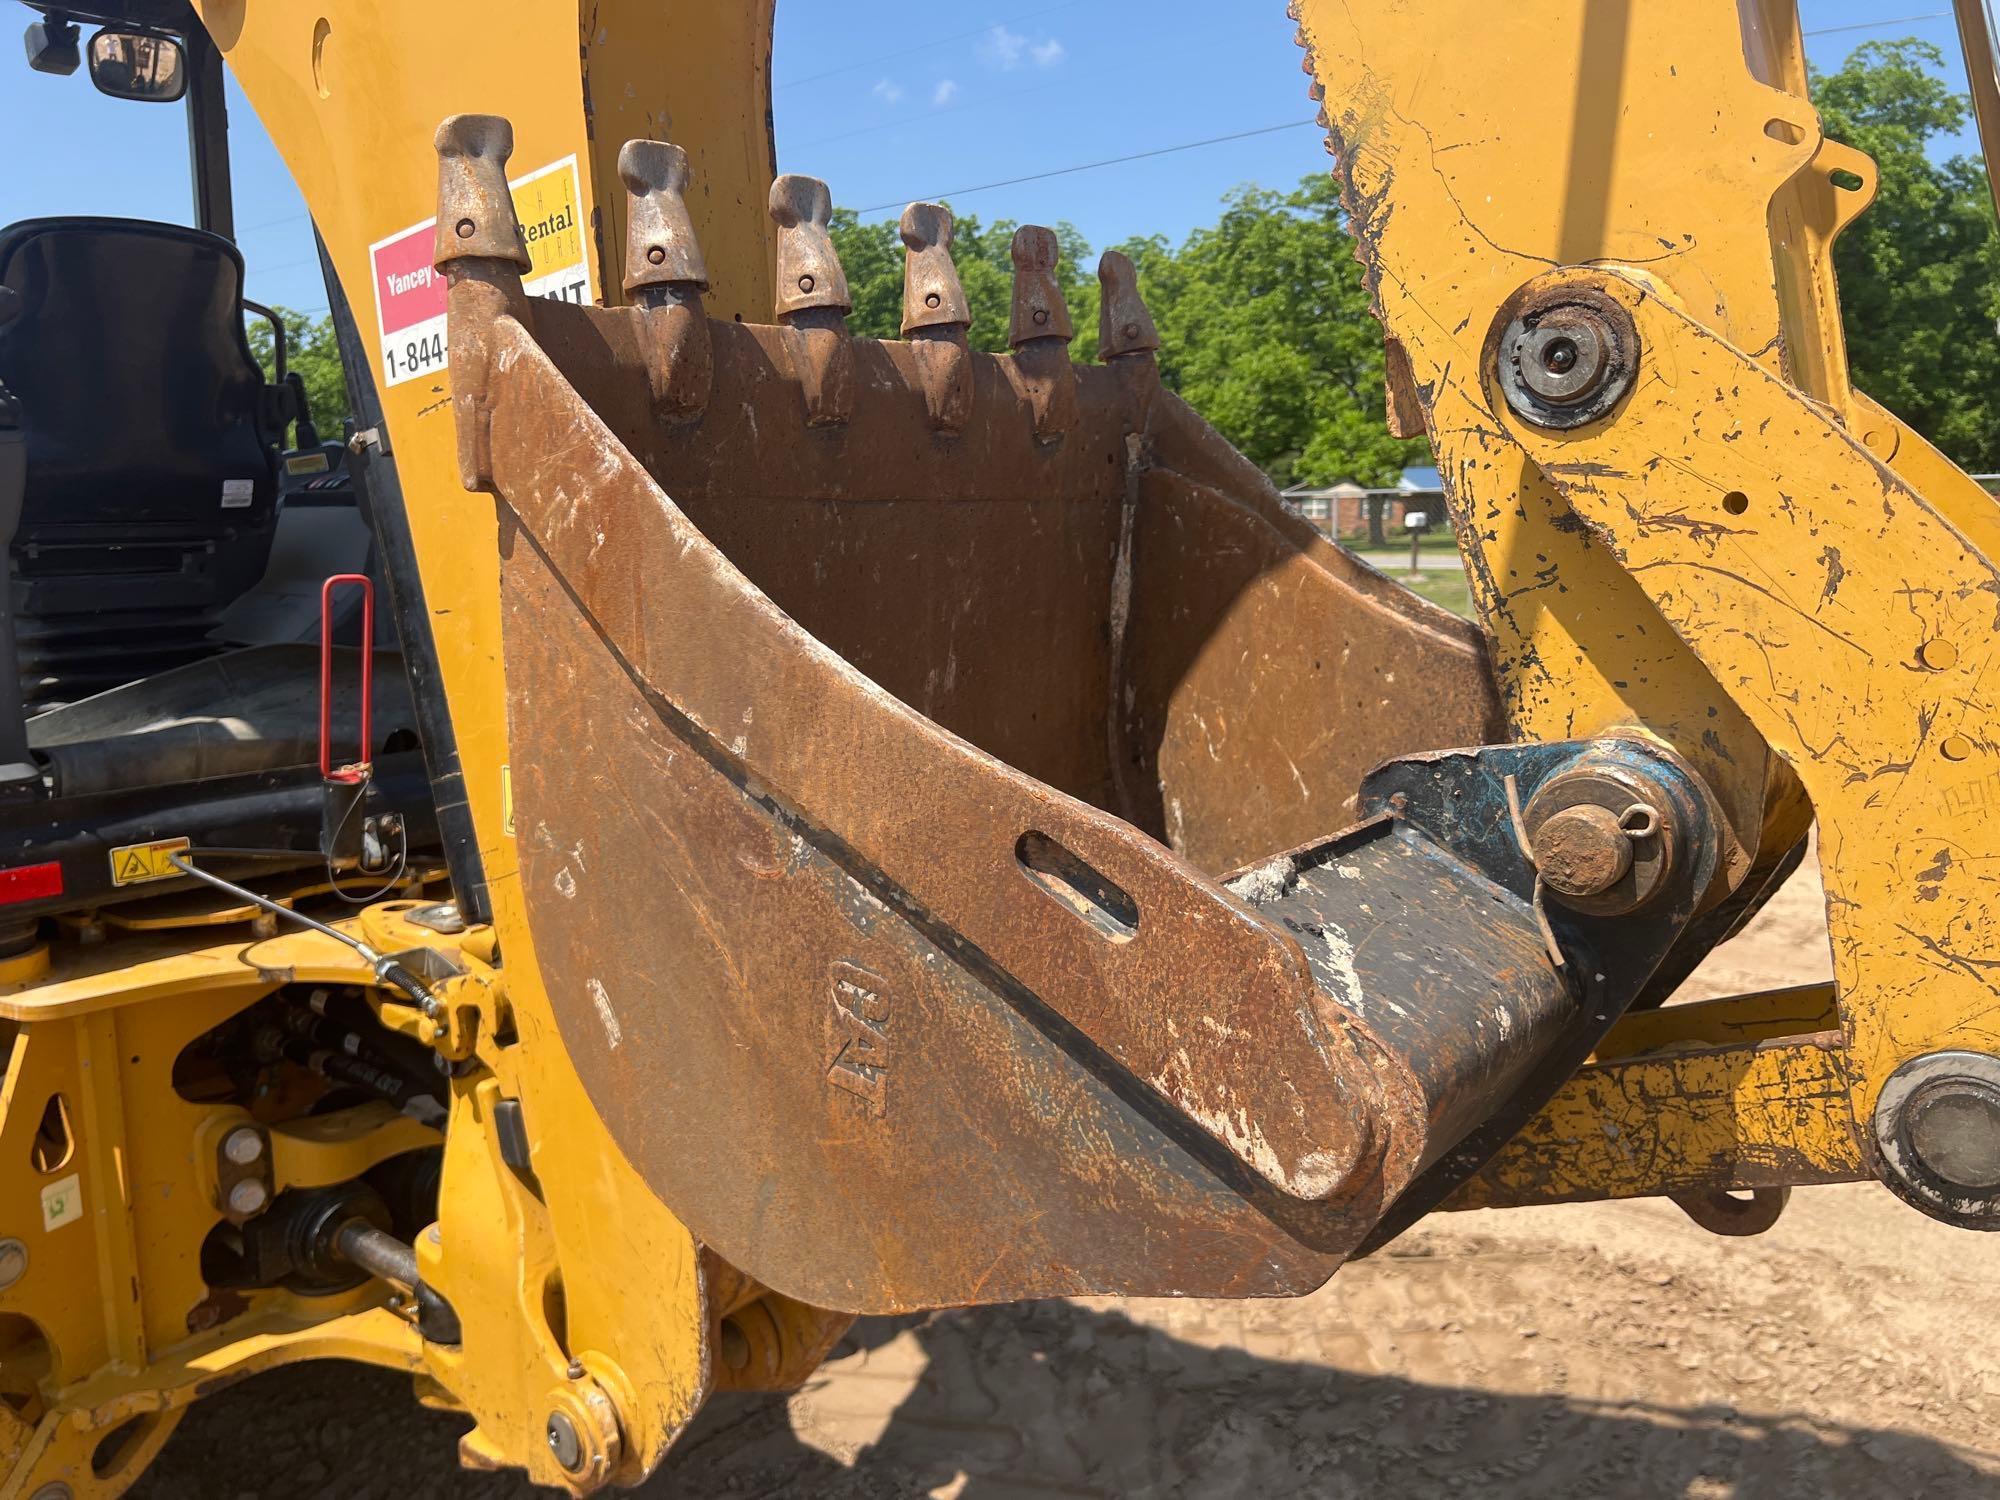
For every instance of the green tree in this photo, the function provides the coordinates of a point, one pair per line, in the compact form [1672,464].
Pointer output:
[1265,330]
[1920,270]
[310,349]
[1263,322]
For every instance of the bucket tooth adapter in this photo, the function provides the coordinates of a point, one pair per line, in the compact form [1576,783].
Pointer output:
[944,795]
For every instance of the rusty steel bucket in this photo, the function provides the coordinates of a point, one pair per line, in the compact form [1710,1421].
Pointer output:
[901,739]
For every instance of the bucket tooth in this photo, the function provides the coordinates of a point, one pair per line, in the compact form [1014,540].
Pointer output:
[810,279]
[812,298]
[1124,326]
[661,250]
[936,317]
[932,296]
[1039,311]
[1040,329]
[481,251]
[665,275]
[475,207]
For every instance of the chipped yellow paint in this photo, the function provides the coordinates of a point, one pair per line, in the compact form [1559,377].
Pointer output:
[1647,1126]
[1657,153]
[1745,1092]
[1859,631]
[1629,132]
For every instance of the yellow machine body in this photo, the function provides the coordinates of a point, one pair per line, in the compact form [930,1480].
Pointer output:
[1750,565]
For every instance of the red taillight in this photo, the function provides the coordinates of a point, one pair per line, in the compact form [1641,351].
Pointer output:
[30,883]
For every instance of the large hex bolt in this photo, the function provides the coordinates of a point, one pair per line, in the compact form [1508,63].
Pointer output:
[1564,355]
[1937,1135]
[1603,837]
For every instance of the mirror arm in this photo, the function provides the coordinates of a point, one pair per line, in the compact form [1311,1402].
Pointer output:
[270,315]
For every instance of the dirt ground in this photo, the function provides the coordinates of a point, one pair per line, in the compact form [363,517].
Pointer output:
[1595,1350]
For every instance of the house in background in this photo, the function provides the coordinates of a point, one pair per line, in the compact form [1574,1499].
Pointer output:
[1349,512]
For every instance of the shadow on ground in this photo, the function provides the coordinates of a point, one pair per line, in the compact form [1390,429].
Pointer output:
[1056,1399]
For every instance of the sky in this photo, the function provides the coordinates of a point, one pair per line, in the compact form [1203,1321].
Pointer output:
[889,100]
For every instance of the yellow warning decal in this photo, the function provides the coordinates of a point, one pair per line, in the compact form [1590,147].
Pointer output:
[132,864]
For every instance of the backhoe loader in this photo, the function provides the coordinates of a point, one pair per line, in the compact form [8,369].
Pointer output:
[857,826]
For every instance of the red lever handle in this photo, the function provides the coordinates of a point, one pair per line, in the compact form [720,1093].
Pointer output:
[355,771]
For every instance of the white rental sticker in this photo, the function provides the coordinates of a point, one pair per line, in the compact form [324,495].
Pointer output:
[410,295]
[62,1202]
[238,493]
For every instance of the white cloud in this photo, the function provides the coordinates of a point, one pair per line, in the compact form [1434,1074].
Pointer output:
[1007,50]
[944,93]
[1003,48]
[888,92]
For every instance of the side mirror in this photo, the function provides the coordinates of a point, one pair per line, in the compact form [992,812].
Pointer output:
[149,66]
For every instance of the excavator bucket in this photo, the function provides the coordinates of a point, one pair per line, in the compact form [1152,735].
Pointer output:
[951,798]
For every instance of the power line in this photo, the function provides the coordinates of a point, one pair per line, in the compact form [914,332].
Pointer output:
[286,265]
[1114,161]
[274,223]
[1111,161]
[1929,15]
[792,148]
[956,36]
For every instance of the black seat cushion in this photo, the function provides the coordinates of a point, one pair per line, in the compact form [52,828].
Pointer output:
[151,490]
[139,396]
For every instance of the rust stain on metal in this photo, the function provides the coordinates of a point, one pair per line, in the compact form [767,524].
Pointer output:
[924,990]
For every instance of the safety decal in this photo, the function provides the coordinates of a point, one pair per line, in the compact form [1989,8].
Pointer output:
[133,864]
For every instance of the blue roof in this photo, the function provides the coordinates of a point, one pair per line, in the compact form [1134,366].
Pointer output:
[1420,478]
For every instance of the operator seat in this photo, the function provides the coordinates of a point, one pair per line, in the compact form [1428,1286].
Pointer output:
[151,438]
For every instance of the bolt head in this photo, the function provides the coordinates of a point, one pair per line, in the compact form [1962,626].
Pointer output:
[243,1145]
[1938,654]
[1041,316]
[1564,355]
[1954,1129]
[1594,851]
[656,255]
[248,1196]
[1581,851]
[1937,1136]
[13,1262]
[564,1442]
[465,228]
[1562,358]
[805,283]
